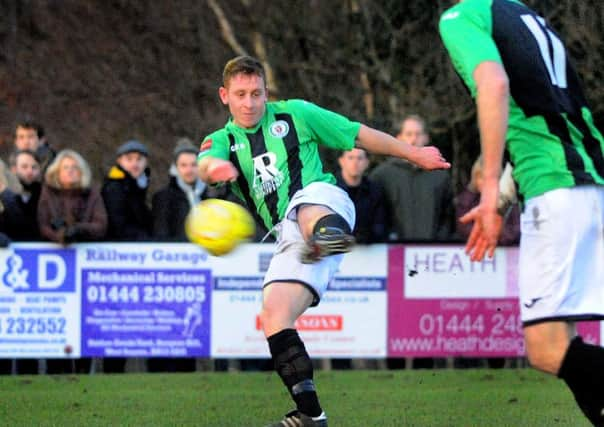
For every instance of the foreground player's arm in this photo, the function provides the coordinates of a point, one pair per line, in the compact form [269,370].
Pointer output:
[378,142]
[492,101]
[336,131]
[466,30]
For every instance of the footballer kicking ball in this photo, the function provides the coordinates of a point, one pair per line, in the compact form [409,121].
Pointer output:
[219,225]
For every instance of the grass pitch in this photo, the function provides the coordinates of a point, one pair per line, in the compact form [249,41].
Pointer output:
[351,398]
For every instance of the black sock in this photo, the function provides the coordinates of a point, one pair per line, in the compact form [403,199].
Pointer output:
[294,366]
[332,220]
[583,371]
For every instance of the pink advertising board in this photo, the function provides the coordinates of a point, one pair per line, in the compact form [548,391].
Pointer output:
[440,304]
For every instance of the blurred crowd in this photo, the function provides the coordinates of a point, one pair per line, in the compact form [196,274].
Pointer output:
[47,195]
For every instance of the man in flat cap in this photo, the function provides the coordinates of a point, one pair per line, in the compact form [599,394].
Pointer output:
[124,193]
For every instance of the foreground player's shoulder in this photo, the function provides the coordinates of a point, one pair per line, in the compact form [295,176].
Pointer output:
[218,136]
[466,31]
[297,105]
[213,144]
[303,111]
[467,12]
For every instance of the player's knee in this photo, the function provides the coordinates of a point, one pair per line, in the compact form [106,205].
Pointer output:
[273,319]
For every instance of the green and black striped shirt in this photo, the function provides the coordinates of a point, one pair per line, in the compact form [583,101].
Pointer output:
[280,155]
[551,138]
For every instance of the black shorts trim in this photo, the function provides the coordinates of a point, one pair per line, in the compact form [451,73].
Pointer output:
[569,318]
[316,299]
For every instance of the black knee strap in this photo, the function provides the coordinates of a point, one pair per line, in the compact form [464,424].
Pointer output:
[294,366]
[291,360]
[332,220]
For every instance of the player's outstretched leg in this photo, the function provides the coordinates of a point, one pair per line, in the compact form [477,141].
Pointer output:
[331,235]
[583,371]
[294,366]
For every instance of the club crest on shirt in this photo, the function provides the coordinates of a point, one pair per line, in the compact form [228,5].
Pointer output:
[279,129]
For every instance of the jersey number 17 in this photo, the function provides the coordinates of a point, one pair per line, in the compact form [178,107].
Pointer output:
[552,49]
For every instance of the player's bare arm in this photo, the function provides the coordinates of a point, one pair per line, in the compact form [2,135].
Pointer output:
[213,170]
[378,142]
[492,102]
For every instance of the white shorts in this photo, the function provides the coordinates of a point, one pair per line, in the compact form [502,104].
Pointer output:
[285,265]
[561,271]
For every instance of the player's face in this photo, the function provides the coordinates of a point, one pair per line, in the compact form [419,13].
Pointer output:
[412,132]
[26,168]
[70,174]
[133,163]
[186,165]
[246,96]
[354,163]
[26,139]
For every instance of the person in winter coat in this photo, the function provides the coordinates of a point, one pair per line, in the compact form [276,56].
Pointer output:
[172,203]
[25,165]
[70,208]
[367,196]
[419,202]
[124,192]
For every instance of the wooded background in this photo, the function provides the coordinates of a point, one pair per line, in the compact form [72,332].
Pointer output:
[96,73]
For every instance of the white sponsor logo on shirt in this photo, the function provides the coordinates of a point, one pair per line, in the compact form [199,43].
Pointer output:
[267,178]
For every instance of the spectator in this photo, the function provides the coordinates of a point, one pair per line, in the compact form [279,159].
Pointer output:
[170,207]
[70,210]
[368,199]
[25,165]
[367,196]
[470,197]
[10,214]
[124,193]
[419,202]
[21,215]
[172,203]
[6,365]
[30,136]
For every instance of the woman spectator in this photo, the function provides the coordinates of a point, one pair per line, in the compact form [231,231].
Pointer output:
[70,209]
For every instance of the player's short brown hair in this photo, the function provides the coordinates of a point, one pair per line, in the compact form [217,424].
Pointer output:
[242,64]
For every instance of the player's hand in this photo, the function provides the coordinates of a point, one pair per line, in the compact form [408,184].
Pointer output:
[220,170]
[486,230]
[429,158]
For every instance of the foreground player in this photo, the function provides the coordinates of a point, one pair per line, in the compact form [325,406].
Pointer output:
[529,96]
[269,151]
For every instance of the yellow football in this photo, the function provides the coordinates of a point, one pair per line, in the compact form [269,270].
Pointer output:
[219,225]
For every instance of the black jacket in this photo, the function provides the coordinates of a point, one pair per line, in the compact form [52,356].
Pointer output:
[368,199]
[170,207]
[11,217]
[127,211]
[21,216]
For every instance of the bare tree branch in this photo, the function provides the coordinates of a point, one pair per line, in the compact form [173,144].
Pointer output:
[226,29]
